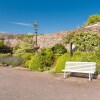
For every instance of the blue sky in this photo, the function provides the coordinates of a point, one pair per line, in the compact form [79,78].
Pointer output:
[17,16]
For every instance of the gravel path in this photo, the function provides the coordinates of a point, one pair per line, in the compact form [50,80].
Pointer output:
[16,84]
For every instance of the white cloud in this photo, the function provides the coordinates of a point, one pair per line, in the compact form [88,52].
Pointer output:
[23,24]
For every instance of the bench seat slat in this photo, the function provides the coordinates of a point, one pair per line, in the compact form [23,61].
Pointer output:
[78,71]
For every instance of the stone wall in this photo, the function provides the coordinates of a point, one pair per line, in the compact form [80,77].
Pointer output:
[11,42]
[49,40]
[46,40]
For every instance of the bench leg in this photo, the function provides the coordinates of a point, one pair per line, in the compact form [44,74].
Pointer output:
[90,76]
[65,75]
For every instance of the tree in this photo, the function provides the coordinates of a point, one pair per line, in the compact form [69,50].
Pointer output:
[92,19]
[84,41]
[87,41]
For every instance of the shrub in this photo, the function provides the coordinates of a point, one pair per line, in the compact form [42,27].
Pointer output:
[26,46]
[5,49]
[36,63]
[4,55]
[27,63]
[59,49]
[92,57]
[60,64]
[27,56]
[14,61]
[48,56]
[78,56]
[29,36]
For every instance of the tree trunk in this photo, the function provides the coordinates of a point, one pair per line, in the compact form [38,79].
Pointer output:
[71,51]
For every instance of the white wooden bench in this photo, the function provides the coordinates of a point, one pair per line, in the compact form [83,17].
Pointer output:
[80,67]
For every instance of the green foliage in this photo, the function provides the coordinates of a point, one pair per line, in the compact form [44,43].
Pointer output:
[85,41]
[93,19]
[4,48]
[37,63]
[27,56]
[42,61]
[69,38]
[4,55]
[22,37]
[27,63]
[1,43]
[24,47]
[60,64]
[48,56]
[98,53]
[59,49]
[78,56]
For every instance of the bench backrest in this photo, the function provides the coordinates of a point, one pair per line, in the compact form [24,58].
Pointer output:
[81,66]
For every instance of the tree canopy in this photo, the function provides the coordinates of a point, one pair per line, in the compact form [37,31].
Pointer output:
[92,19]
[84,41]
